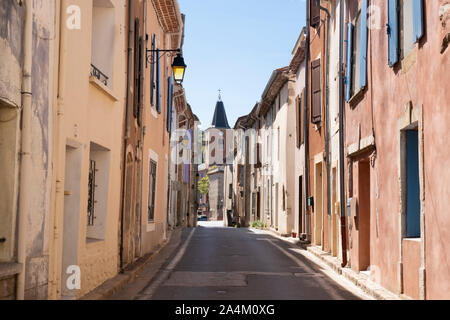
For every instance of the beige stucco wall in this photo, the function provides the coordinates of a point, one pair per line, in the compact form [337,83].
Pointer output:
[88,112]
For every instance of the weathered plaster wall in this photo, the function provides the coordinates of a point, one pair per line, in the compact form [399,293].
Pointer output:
[423,79]
[11,54]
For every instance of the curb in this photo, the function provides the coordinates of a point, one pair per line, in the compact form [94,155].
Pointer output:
[118,282]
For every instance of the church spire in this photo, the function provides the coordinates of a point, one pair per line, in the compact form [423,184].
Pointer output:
[220,120]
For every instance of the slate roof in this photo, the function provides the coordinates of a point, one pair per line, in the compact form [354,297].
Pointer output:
[220,120]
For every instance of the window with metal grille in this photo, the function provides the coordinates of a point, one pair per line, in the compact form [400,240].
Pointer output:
[91,197]
[152,191]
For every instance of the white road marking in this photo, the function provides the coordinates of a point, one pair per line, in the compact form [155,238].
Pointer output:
[180,253]
[165,273]
[333,292]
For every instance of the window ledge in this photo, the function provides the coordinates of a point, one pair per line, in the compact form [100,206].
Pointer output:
[408,61]
[412,239]
[151,226]
[101,86]
[9,269]
[357,97]
[93,241]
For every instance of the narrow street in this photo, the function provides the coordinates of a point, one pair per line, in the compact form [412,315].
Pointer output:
[211,262]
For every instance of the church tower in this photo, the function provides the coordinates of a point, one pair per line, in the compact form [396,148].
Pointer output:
[216,156]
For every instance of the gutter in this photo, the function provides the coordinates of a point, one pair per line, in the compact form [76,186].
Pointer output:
[341,134]
[327,121]
[25,154]
[127,122]
[305,123]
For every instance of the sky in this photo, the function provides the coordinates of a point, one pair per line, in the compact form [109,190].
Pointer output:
[234,45]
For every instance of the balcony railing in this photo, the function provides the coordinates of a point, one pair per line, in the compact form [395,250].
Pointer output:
[95,72]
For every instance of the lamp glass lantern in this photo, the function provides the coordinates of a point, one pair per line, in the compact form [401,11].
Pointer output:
[179,68]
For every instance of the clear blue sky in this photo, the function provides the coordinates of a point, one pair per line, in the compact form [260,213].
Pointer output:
[234,45]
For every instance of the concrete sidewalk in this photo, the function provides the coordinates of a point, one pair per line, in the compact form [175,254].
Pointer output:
[327,261]
[114,285]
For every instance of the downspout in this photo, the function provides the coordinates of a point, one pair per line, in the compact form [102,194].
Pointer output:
[57,260]
[327,122]
[25,154]
[127,122]
[305,124]
[341,134]
[142,129]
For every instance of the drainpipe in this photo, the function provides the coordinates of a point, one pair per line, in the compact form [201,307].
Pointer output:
[341,134]
[25,154]
[127,121]
[305,123]
[59,190]
[327,122]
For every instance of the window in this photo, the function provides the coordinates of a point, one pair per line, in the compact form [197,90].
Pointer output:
[412,184]
[103,33]
[405,27]
[98,186]
[407,40]
[91,192]
[230,191]
[316,99]
[152,191]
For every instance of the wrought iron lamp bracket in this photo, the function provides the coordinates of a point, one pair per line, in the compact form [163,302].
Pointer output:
[149,56]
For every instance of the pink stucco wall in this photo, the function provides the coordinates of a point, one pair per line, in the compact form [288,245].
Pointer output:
[424,81]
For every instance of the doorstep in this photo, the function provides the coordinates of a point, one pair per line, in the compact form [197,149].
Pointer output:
[118,282]
[361,280]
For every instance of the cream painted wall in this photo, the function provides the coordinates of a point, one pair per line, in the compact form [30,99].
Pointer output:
[89,112]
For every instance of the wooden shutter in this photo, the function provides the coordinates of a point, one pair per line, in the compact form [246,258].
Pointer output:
[141,79]
[136,70]
[158,83]
[348,76]
[258,155]
[314,13]
[393,39]
[302,124]
[152,72]
[298,112]
[418,19]
[363,53]
[169,103]
[316,107]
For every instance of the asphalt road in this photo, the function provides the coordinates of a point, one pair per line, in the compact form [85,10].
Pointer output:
[216,263]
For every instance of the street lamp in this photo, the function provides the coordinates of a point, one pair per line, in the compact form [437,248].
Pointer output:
[179,68]
[178,65]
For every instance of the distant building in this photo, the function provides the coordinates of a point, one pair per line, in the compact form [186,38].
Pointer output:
[216,159]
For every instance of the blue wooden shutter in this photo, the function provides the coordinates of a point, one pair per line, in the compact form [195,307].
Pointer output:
[158,83]
[393,31]
[363,53]
[152,72]
[169,103]
[418,19]
[348,78]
